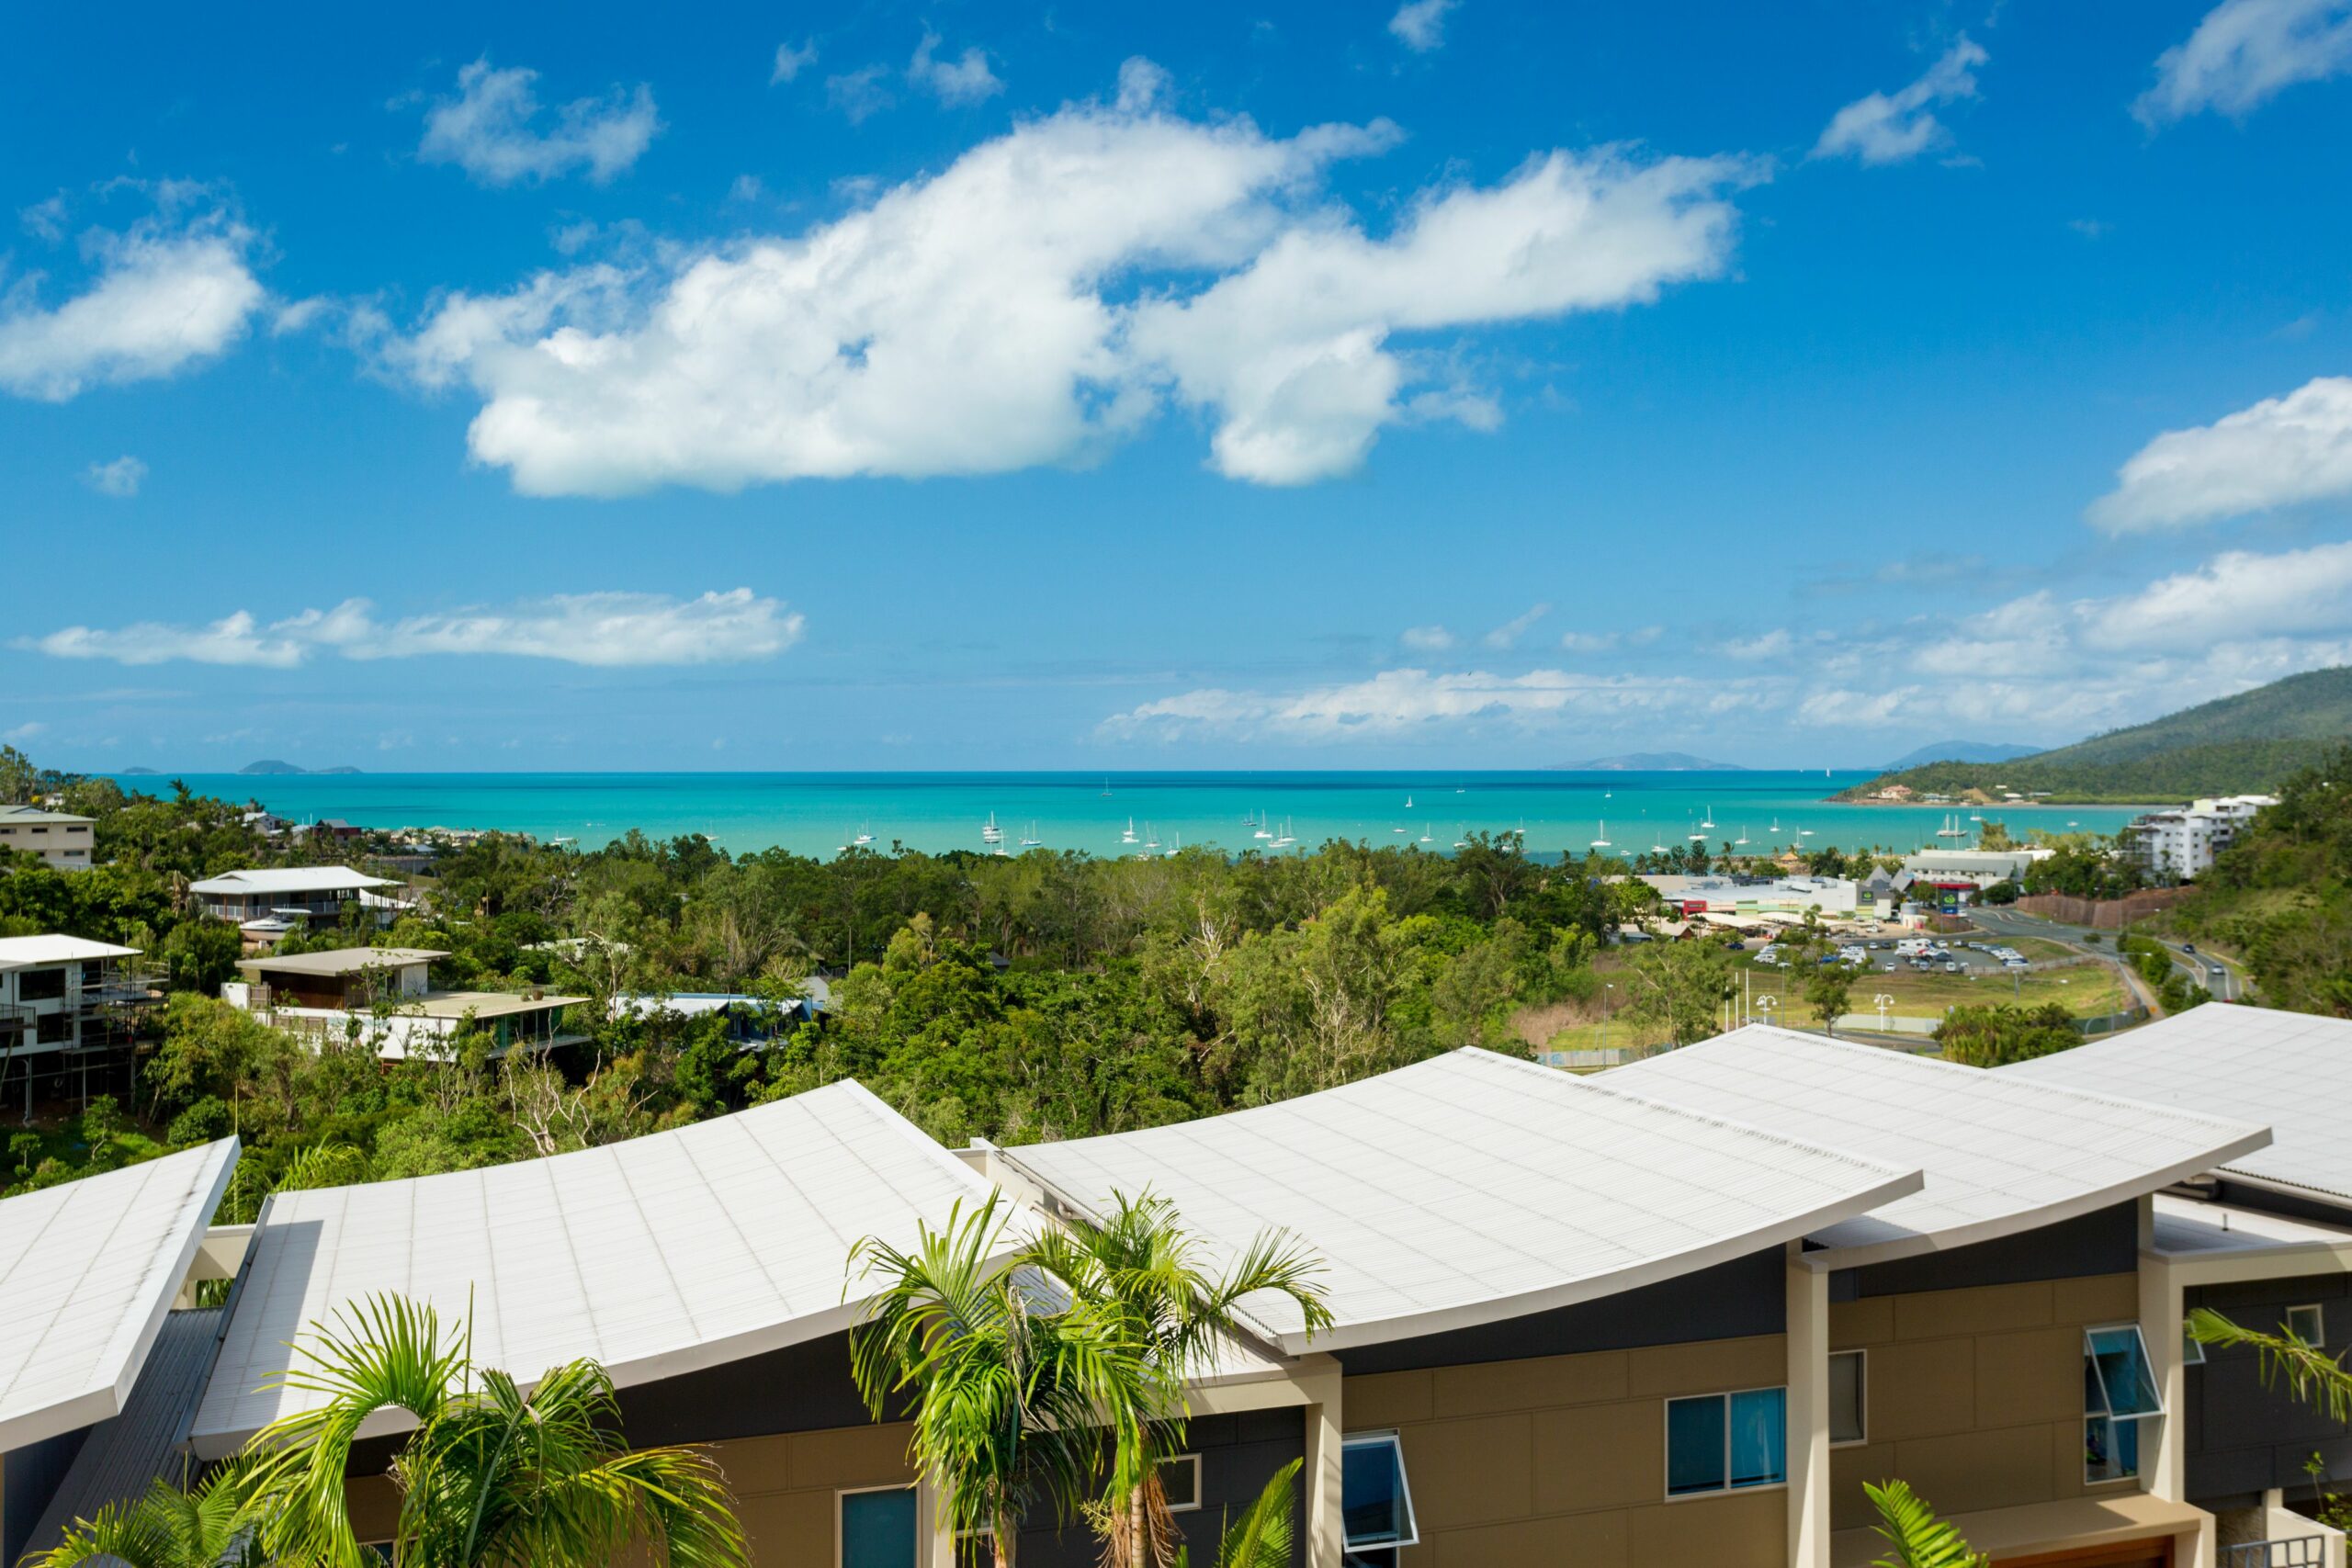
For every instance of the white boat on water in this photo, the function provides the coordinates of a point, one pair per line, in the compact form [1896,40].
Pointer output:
[1029,840]
[1742,839]
[1177,847]
[1283,840]
[1150,838]
[1709,820]
[1951,829]
[1602,841]
[991,834]
[1427,836]
[863,837]
[1265,827]
[1129,836]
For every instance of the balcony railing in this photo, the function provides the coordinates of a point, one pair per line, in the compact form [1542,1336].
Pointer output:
[2293,1551]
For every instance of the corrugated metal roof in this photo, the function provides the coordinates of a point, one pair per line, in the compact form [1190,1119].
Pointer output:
[122,1457]
[24,952]
[2289,1070]
[668,1253]
[289,879]
[87,1271]
[2001,1155]
[1473,1188]
[344,959]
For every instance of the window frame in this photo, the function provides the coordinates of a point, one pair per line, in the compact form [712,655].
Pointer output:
[1194,1460]
[840,1536]
[1862,1400]
[2140,1337]
[1666,1439]
[2192,1349]
[1395,1441]
[2319,1323]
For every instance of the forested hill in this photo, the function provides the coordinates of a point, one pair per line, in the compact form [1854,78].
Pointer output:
[2253,741]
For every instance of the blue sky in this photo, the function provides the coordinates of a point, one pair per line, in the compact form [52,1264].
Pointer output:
[954,386]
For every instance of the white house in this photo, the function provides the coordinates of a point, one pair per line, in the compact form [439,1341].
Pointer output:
[64,999]
[267,904]
[2180,843]
[384,995]
[59,838]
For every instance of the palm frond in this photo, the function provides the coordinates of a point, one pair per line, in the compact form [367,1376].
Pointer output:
[2311,1374]
[1261,1538]
[1917,1539]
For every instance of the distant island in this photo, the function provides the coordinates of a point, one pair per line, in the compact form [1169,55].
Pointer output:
[272,767]
[141,773]
[2247,744]
[1647,762]
[1958,751]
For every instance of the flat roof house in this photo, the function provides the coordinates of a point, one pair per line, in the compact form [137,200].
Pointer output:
[384,995]
[1976,1327]
[66,1005]
[2265,1239]
[89,1274]
[59,838]
[269,903]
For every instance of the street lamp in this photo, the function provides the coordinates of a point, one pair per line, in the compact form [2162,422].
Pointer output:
[1882,1001]
[1764,1005]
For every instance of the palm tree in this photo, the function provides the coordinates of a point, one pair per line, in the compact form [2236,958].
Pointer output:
[490,1476]
[1011,1378]
[1917,1539]
[1147,1275]
[1261,1538]
[210,1526]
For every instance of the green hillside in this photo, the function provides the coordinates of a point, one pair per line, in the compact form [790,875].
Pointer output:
[2254,742]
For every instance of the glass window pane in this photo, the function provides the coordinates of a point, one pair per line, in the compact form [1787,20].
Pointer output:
[2110,1449]
[2121,1360]
[1694,1446]
[1759,1437]
[1373,1508]
[2307,1324]
[1180,1481]
[2192,1349]
[879,1528]
[1846,1424]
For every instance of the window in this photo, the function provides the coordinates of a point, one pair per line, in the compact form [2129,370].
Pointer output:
[2119,1395]
[1722,1442]
[1179,1482]
[2306,1324]
[1848,1398]
[878,1527]
[2192,1349]
[1375,1501]
[40,985]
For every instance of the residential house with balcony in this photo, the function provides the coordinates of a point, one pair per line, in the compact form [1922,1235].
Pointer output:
[59,838]
[384,995]
[68,1007]
[267,904]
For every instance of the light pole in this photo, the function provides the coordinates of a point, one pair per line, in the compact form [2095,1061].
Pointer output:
[1764,1005]
[1605,989]
[1882,1001]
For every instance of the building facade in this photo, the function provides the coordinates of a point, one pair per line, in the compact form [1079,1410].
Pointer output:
[59,838]
[68,1007]
[2179,845]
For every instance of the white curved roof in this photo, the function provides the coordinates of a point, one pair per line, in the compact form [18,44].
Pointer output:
[87,1271]
[666,1254]
[2291,1070]
[289,879]
[24,952]
[1473,1188]
[2001,1155]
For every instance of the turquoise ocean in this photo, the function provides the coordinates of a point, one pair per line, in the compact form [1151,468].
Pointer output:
[816,814]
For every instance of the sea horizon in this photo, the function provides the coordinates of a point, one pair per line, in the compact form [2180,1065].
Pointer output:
[821,812]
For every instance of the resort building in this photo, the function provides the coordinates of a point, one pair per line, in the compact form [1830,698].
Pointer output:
[2176,846]
[59,838]
[383,996]
[66,1006]
[98,1369]
[267,904]
[1976,869]
[1833,898]
[2265,1239]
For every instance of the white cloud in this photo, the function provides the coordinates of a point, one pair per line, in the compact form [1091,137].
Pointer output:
[1419,25]
[966,79]
[488,129]
[1588,642]
[603,629]
[2246,50]
[791,60]
[1398,701]
[1042,297]
[24,731]
[1509,632]
[859,93]
[170,292]
[2236,595]
[1888,128]
[2280,452]
[1426,639]
[1774,644]
[119,479]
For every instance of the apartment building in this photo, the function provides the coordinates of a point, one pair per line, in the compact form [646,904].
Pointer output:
[384,997]
[67,1007]
[2265,1239]
[2177,845]
[59,838]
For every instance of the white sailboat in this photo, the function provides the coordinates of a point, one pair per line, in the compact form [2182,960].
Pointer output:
[1265,827]
[863,838]
[1742,839]
[991,834]
[1029,840]
[1177,846]
[1283,840]
[1602,841]
[1408,803]
[1427,837]
[1150,838]
[1464,829]
[1709,820]
[1129,836]
[1775,827]
[1951,829]
[1697,837]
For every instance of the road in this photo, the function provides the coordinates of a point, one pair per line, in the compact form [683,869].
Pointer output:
[2229,985]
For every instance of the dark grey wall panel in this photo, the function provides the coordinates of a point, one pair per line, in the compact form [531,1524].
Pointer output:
[2243,1434]
[2106,1241]
[1238,1455]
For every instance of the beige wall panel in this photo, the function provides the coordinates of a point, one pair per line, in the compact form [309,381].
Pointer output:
[1919,1389]
[1868,1322]
[1543,1383]
[1750,1529]
[1968,1470]
[1985,1309]
[1583,1540]
[375,1505]
[1390,1399]
[2103,1298]
[847,1456]
[1473,1472]
[1599,1457]
[789,1530]
[2066,1463]
[1714,1365]
[2034,1375]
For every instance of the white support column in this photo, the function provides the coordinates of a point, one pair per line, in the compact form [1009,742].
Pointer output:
[1808,1436]
[939,1548]
[2162,1311]
[1325,1429]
